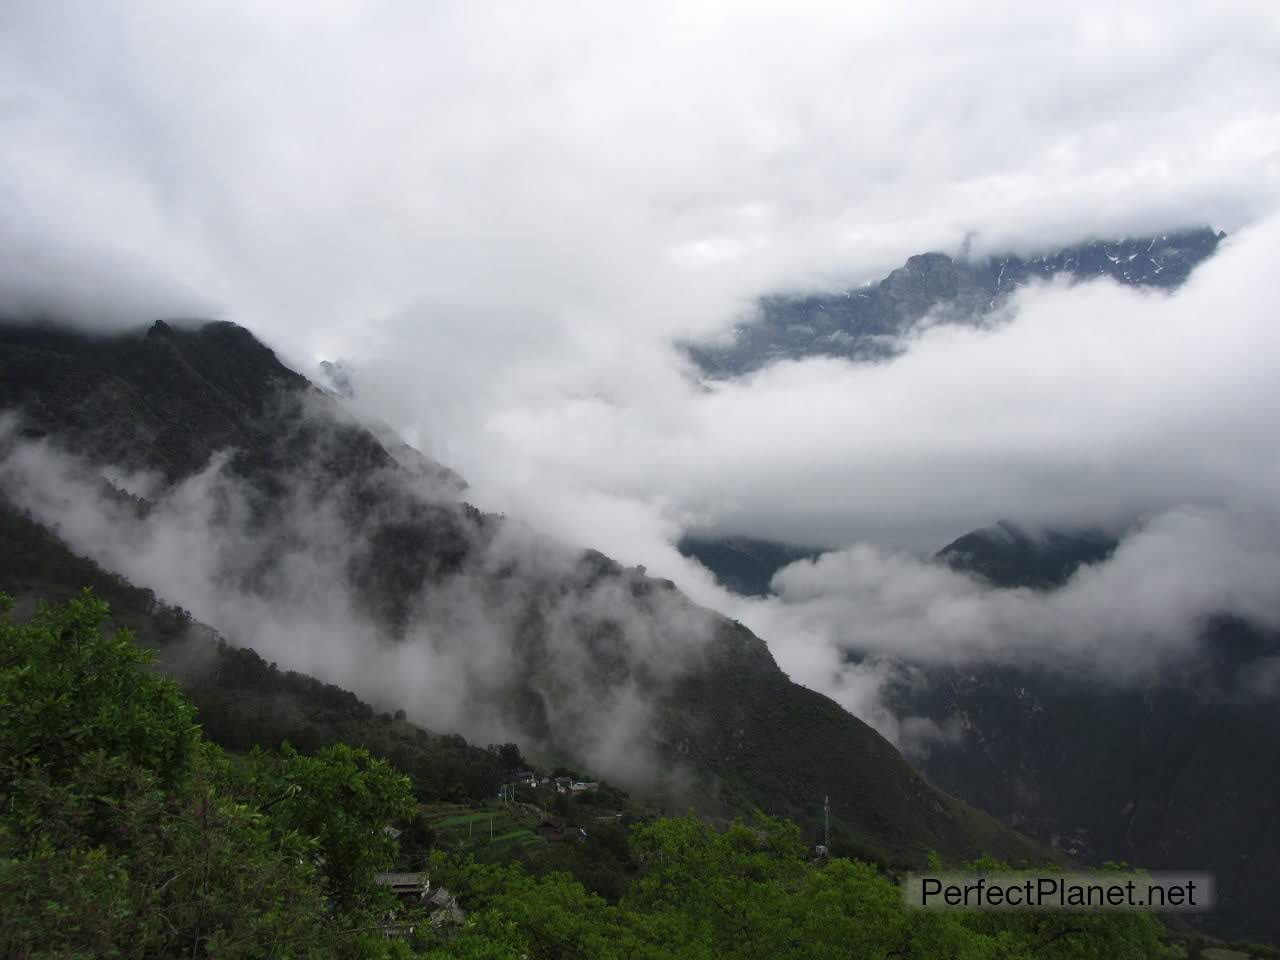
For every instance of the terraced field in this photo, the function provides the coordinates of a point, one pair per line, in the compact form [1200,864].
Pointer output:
[496,830]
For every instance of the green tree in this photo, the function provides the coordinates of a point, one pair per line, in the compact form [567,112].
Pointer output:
[750,892]
[68,688]
[344,799]
[114,838]
[119,836]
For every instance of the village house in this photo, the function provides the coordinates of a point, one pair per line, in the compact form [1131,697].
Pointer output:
[415,888]
[409,887]
[557,831]
[443,909]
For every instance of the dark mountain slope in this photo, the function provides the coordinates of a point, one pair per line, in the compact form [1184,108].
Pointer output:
[188,391]
[569,651]
[864,323]
[773,744]
[1008,556]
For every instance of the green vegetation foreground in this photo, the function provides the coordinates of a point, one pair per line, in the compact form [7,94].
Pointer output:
[124,833]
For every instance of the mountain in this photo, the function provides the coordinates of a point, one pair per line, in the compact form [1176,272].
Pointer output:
[191,457]
[1007,556]
[337,378]
[866,323]
[1179,772]
[743,564]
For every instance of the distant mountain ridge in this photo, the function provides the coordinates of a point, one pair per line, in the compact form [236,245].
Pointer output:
[865,323]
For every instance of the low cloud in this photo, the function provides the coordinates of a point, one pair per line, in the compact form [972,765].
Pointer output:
[860,617]
[523,622]
[502,218]
[1086,405]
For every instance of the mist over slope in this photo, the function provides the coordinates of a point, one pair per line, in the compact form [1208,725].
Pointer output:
[298,534]
[243,700]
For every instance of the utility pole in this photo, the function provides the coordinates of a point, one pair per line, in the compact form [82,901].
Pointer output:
[826,823]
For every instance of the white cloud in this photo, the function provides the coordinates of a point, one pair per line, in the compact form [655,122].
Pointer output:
[501,215]
[1090,405]
[315,168]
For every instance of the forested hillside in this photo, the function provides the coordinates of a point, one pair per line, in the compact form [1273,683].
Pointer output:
[124,832]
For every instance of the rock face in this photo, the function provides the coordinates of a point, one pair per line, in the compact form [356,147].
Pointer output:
[865,323]
[568,649]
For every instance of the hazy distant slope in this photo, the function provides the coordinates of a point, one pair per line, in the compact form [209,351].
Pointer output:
[1178,771]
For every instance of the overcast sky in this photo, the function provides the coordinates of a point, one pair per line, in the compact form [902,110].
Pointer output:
[500,215]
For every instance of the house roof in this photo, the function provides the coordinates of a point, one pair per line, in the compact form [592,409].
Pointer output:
[441,898]
[401,881]
[399,877]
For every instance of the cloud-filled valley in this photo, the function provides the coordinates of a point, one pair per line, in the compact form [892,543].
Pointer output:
[502,221]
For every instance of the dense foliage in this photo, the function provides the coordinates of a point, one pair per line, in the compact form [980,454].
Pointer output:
[123,832]
[752,892]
